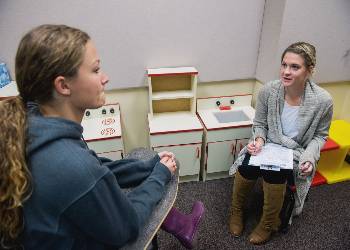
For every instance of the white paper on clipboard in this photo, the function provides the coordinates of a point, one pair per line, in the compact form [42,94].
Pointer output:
[273,155]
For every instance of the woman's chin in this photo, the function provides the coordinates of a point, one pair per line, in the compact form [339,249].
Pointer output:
[286,83]
[99,104]
[102,100]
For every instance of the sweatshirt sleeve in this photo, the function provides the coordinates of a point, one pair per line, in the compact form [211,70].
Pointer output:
[108,215]
[131,172]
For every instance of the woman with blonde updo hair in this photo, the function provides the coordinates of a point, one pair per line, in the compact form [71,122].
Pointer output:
[295,113]
[56,193]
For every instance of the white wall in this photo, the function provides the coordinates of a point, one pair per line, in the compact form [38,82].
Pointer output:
[324,23]
[219,38]
[128,35]
[224,40]
[267,60]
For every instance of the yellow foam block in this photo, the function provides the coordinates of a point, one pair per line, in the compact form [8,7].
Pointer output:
[340,132]
[332,165]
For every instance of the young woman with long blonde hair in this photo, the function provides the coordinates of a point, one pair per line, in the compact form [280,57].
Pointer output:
[55,193]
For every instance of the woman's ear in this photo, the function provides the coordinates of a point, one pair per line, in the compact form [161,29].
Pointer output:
[62,86]
[312,71]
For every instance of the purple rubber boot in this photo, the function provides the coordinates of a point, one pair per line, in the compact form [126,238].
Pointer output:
[184,227]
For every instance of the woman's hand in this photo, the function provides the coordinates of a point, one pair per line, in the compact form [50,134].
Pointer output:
[168,159]
[166,154]
[255,148]
[169,163]
[306,168]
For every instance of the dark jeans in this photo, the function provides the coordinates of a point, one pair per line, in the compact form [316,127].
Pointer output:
[273,177]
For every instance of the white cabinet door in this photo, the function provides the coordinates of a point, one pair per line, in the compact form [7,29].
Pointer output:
[239,145]
[187,155]
[220,156]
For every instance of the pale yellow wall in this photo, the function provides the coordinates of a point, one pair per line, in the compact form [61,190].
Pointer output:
[134,104]
[225,88]
[134,109]
[340,92]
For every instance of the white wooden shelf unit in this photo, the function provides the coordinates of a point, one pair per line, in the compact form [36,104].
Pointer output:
[173,124]
[172,89]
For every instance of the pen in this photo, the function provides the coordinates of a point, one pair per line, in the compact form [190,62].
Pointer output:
[254,140]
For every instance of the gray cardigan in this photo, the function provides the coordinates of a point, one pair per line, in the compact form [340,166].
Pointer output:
[315,115]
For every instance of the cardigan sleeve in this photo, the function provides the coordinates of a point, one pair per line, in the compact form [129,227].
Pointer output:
[260,125]
[312,151]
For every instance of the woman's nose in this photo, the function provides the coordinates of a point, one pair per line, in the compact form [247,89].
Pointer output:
[287,70]
[105,79]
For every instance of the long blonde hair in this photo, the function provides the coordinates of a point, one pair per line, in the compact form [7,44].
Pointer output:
[44,53]
[14,174]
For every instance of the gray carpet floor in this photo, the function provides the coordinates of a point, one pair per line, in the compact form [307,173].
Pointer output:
[324,223]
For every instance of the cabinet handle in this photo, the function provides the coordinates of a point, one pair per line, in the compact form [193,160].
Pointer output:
[206,157]
[197,152]
[232,148]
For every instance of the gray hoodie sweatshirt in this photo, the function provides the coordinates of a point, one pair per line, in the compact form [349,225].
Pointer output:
[77,200]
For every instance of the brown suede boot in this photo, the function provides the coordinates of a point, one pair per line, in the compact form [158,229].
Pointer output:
[241,190]
[270,221]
